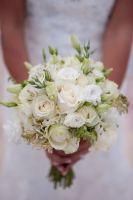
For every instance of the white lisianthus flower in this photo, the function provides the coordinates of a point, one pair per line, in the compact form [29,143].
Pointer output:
[68,97]
[105,140]
[24,109]
[98,73]
[73,145]
[27,94]
[91,79]
[98,66]
[37,71]
[74,120]
[90,115]
[92,93]
[58,136]
[111,116]
[82,80]
[72,62]
[67,74]
[43,107]
[110,89]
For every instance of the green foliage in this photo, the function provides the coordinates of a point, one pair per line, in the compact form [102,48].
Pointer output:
[58,179]
[48,76]
[35,82]
[121,103]
[86,133]
[83,52]
[85,67]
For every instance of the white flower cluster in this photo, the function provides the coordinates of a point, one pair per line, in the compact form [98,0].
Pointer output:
[65,100]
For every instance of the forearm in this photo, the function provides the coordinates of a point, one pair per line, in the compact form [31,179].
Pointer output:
[14,51]
[118,39]
[116,51]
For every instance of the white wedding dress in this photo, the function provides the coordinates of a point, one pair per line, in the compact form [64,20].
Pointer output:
[100,176]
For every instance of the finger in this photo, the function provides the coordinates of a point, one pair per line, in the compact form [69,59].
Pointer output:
[57,160]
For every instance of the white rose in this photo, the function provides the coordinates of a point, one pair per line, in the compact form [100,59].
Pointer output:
[90,114]
[74,120]
[67,74]
[92,93]
[43,107]
[37,71]
[68,97]
[58,136]
[110,89]
[27,94]
[73,145]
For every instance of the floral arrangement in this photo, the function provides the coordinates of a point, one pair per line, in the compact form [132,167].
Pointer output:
[66,100]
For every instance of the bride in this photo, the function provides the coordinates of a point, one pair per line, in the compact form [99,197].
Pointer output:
[26,28]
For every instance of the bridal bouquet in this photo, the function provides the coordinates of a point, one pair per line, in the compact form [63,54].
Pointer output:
[66,100]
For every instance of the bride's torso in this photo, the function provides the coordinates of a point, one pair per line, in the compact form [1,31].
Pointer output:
[52,22]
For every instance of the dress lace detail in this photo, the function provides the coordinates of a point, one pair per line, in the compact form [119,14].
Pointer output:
[52,22]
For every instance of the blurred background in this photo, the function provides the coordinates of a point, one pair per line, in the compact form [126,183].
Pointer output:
[23,170]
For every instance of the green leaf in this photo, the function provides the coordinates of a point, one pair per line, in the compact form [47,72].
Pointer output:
[8,104]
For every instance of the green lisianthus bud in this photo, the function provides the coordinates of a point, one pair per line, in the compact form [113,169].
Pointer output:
[28,65]
[15,89]
[53,51]
[54,59]
[75,43]
[107,72]
[85,67]
[8,104]
[44,55]
[51,90]
[103,108]
[48,75]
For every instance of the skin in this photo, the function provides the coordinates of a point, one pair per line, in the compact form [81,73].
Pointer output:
[117,41]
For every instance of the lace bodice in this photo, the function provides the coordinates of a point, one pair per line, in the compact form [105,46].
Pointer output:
[52,22]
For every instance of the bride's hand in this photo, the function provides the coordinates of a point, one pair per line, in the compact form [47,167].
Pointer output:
[65,161]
